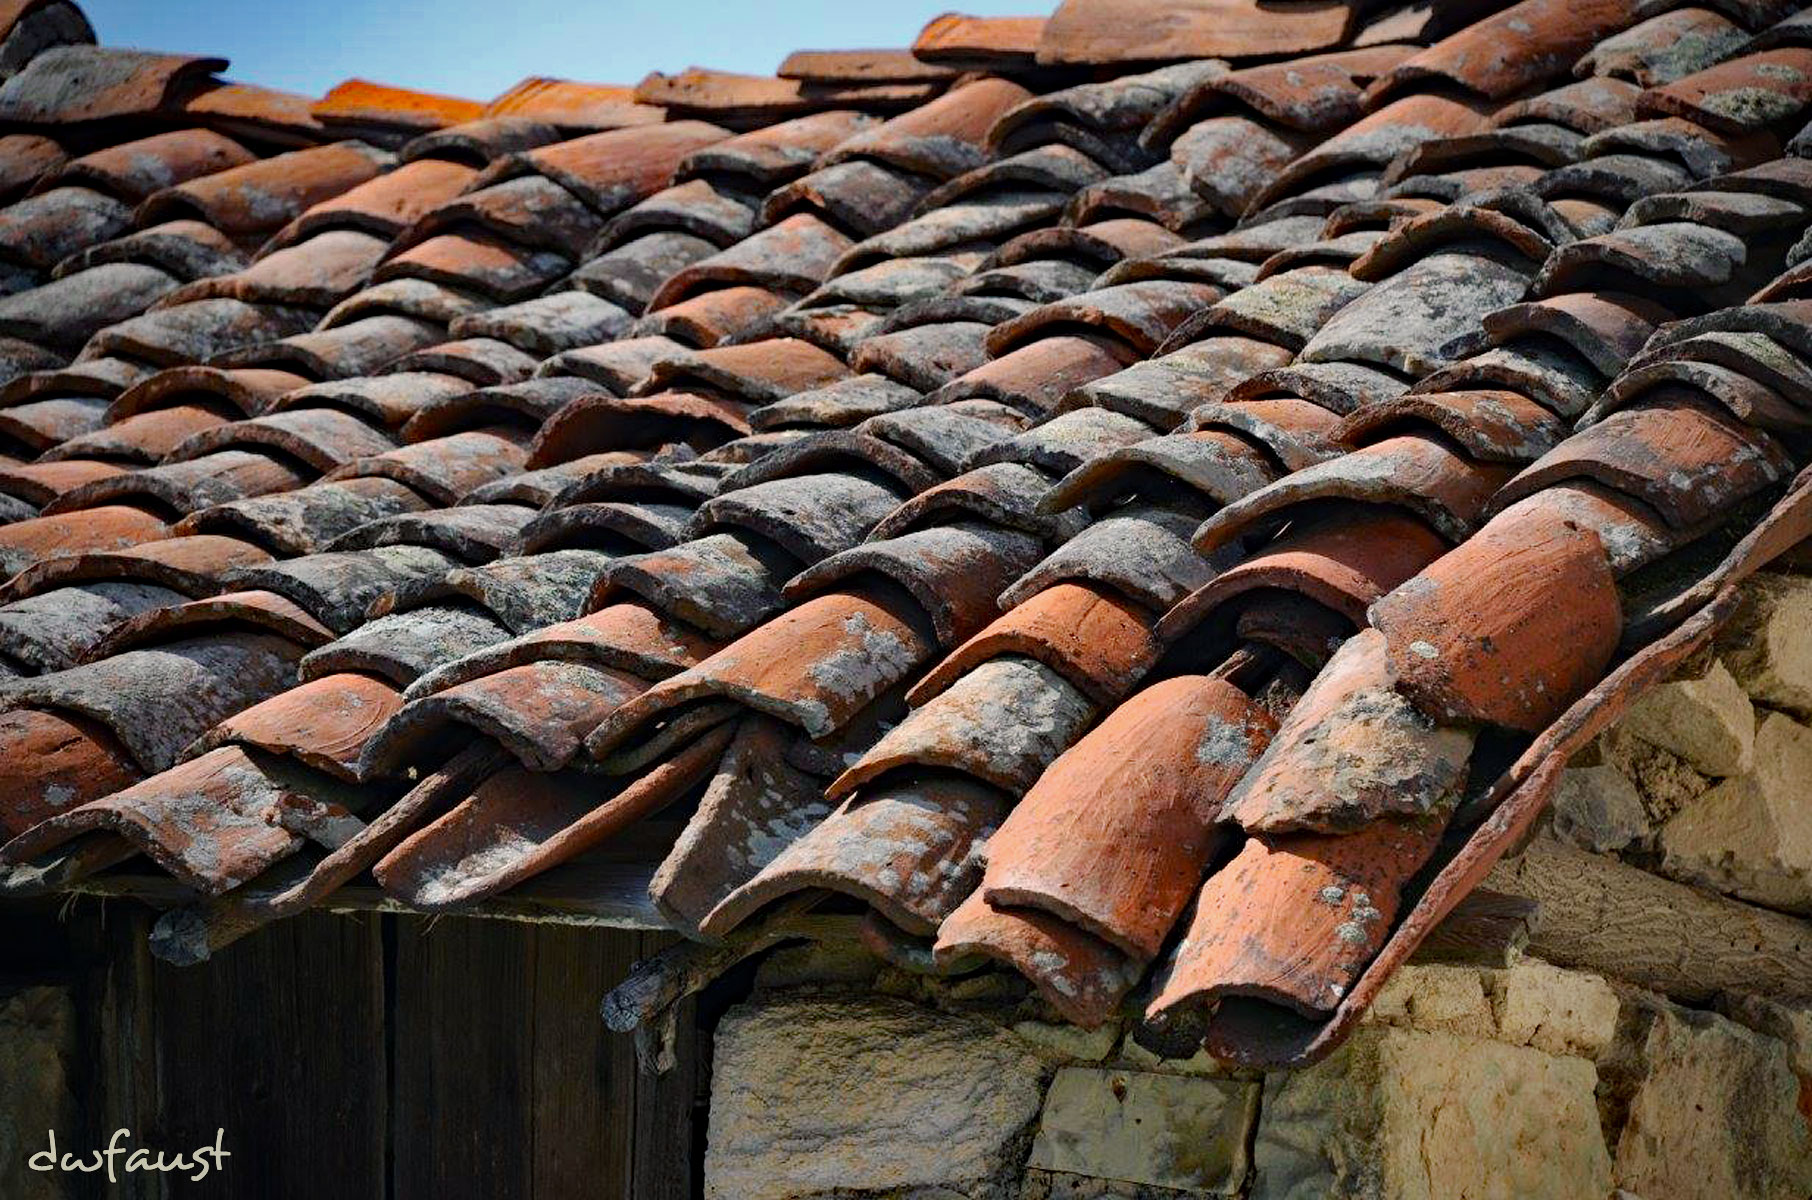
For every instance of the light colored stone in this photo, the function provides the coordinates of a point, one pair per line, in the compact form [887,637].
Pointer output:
[1708,721]
[1199,1063]
[1790,1024]
[1070,1041]
[1398,1114]
[1597,808]
[37,1045]
[1666,782]
[1446,999]
[1559,1011]
[818,963]
[1768,643]
[1752,836]
[814,1095]
[1139,1127]
[1058,1185]
[1714,1116]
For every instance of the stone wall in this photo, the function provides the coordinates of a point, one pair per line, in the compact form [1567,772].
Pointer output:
[1526,1083]
[1708,779]
[842,1078]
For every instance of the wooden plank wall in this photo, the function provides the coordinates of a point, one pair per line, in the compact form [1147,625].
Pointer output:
[396,1058]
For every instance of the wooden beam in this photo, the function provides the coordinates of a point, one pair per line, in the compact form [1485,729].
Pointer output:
[1601,915]
[1486,929]
[607,894]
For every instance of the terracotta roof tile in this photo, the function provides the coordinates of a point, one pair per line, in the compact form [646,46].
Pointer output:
[158,700]
[388,115]
[40,424]
[1267,925]
[71,84]
[258,198]
[336,587]
[66,312]
[1664,47]
[247,110]
[573,106]
[743,100]
[402,646]
[910,848]
[1510,51]
[142,438]
[184,250]
[338,352]
[942,138]
[317,273]
[41,230]
[243,610]
[754,794]
[1079,975]
[550,819]
[476,144]
[979,43]
[860,66]
[793,255]
[323,723]
[25,542]
[204,821]
[133,170]
[25,158]
[1039,343]
[78,761]
[305,520]
[319,437]
[1753,92]
[27,26]
[383,206]
[1097,32]
[183,487]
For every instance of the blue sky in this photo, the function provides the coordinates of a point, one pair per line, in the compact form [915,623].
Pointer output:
[478,48]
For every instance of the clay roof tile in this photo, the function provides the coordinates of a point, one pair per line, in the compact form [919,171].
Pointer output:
[71,84]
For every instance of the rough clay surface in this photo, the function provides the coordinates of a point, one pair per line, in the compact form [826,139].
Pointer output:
[813,1096]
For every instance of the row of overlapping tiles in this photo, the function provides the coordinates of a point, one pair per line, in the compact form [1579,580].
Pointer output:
[861,476]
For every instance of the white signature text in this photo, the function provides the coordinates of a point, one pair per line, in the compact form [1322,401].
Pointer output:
[201,1160]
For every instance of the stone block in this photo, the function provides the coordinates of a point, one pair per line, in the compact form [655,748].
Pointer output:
[1400,1114]
[1768,643]
[1058,1185]
[1708,721]
[1714,1115]
[1558,1011]
[1666,782]
[818,964]
[1437,998]
[816,1095]
[1752,836]
[1790,1024]
[1199,1063]
[1597,808]
[1070,1041]
[37,1045]
[1173,1131]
